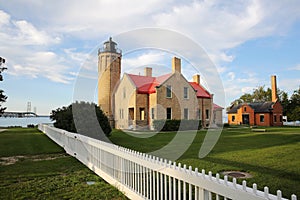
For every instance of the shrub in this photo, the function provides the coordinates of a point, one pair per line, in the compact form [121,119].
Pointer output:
[30,125]
[87,117]
[175,125]
[225,125]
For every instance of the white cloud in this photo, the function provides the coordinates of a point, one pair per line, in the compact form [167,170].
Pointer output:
[27,34]
[289,85]
[4,18]
[237,85]
[247,90]
[147,59]
[21,32]
[23,46]
[76,55]
[40,64]
[231,76]
[33,40]
[297,68]
[221,25]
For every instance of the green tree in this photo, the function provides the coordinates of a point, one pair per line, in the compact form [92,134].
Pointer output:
[293,113]
[260,94]
[63,118]
[83,118]
[2,96]
[284,99]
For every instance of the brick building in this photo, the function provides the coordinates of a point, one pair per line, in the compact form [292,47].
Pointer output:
[136,100]
[258,113]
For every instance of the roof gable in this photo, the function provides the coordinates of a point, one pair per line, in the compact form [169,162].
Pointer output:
[146,84]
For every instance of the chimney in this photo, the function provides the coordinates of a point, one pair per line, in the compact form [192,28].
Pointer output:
[274,88]
[176,65]
[196,79]
[148,71]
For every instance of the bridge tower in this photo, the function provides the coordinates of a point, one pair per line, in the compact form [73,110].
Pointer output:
[109,72]
[28,106]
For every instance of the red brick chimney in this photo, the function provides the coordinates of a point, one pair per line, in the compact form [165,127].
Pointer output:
[274,88]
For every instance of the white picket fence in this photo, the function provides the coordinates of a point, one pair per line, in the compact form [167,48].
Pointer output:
[142,176]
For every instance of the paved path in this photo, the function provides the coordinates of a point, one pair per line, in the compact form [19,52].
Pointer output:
[2,130]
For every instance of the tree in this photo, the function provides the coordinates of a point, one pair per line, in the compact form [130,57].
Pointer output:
[84,118]
[2,96]
[284,99]
[63,118]
[293,113]
[260,94]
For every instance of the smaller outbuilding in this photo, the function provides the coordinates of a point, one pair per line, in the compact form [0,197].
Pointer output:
[267,113]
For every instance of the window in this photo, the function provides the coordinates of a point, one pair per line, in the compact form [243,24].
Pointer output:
[142,113]
[233,118]
[275,118]
[169,91]
[245,109]
[152,113]
[124,93]
[186,92]
[121,114]
[207,113]
[186,113]
[199,114]
[169,113]
[262,118]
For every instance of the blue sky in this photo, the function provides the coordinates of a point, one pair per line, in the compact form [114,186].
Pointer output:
[46,43]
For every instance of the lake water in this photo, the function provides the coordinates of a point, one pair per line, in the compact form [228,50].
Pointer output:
[11,121]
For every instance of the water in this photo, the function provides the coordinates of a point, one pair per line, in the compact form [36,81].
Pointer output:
[11,121]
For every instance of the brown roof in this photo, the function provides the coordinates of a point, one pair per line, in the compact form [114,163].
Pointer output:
[258,107]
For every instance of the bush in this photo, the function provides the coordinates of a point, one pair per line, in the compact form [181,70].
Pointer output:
[87,117]
[225,125]
[175,125]
[30,125]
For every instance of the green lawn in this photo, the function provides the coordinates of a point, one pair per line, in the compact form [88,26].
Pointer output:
[272,157]
[43,171]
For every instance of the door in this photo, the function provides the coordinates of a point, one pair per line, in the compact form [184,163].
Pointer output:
[246,119]
[130,116]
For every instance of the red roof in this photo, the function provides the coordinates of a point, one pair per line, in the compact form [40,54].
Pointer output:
[217,106]
[201,92]
[146,84]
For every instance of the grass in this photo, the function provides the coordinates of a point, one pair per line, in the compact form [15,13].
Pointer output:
[35,176]
[272,157]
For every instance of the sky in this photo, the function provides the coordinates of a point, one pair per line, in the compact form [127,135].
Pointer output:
[47,44]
